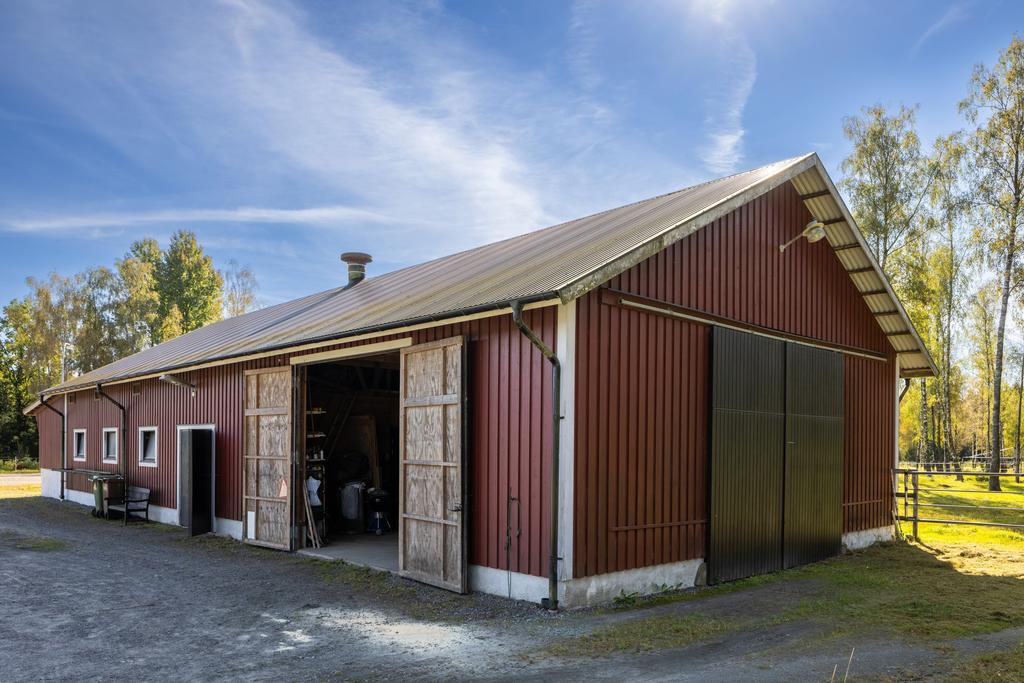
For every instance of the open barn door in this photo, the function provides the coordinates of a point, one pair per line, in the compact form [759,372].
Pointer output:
[432,528]
[267,480]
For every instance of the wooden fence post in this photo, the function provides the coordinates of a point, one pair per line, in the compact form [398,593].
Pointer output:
[914,479]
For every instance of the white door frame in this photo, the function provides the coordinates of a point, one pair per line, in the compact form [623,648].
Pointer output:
[177,464]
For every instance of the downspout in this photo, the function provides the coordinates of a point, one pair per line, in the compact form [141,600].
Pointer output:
[124,445]
[63,442]
[551,602]
[906,387]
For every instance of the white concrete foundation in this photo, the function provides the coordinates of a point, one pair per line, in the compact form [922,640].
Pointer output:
[603,588]
[496,582]
[855,540]
[590,590]
[231,528]
[50,481]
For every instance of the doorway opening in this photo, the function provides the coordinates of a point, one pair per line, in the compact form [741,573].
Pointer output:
[196,476]
[349,466]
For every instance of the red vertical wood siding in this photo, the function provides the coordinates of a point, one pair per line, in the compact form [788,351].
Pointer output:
[869,413]
[642,383]
[48,424]
[509,433]
[218,401]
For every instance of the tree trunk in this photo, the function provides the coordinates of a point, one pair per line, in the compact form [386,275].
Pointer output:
[997,373]
[922,446]
[1020,396]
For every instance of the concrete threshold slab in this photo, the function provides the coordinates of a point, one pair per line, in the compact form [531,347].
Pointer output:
[363,550]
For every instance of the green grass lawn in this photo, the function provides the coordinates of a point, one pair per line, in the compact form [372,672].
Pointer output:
[946,490]
[19,490]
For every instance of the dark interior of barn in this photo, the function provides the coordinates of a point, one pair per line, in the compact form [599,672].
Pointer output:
[350,480]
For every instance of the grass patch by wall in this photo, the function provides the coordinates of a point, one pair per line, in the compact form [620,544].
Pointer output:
[644,635]
[909,591]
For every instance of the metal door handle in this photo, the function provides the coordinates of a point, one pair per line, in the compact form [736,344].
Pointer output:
[457,507]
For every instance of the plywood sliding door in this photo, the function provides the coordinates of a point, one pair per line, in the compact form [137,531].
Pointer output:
[432,529]
[267,484]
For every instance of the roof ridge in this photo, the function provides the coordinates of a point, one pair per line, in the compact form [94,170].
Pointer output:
[477,277]
[529,233]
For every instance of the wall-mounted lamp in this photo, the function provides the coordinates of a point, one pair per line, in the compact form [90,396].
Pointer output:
[813,231]
[178,382]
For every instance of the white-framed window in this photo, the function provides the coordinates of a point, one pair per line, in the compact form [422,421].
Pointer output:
[78,445]
[110,440]
[148,446]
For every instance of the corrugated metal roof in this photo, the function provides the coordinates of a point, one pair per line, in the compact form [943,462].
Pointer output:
[560,261]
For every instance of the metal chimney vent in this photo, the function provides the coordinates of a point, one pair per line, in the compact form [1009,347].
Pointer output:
[356,261]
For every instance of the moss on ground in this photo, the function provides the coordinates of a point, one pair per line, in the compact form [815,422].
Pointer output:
[39,544]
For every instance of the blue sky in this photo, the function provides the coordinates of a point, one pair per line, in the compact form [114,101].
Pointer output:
[285,133]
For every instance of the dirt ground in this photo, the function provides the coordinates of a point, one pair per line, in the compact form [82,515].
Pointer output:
[88,599]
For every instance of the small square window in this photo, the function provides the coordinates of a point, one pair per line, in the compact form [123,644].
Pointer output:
[110,445]
[79,445]
[147,446]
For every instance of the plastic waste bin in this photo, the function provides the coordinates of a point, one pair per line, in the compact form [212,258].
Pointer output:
[97,493]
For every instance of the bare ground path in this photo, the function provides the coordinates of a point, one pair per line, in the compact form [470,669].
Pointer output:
[86,599]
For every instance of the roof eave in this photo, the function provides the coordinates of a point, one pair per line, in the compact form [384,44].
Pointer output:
[533,300]
[859,236]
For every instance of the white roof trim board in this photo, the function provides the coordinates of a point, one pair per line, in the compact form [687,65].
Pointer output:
[563,261]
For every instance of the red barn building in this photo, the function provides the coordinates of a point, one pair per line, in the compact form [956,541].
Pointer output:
[659,394]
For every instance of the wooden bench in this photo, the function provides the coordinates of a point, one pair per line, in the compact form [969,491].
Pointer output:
[137,501]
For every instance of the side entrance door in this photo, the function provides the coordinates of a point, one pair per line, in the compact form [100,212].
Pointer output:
[776,455]
[195,479]
[267,481]
[432,470]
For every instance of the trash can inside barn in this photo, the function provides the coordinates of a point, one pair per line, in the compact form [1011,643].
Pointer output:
[352,515]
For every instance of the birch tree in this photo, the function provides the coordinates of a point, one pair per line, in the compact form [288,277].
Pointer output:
[948,266]
[995,105]
[886,179]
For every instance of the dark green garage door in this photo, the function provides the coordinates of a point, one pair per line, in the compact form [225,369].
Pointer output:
[776,455]
[813,520]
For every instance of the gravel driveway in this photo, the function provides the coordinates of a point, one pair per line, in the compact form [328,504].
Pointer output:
[87,599]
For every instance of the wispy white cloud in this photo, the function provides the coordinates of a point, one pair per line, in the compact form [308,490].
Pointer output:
[399,135]
[583,42]
[734,72]
[696,51]
[723,151]
[318,216]
[952,15]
